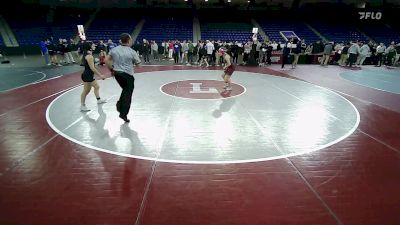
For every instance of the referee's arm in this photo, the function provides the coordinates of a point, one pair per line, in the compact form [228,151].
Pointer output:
[136,59]
[109,63]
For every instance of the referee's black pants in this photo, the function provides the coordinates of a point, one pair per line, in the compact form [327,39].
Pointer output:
[127,83]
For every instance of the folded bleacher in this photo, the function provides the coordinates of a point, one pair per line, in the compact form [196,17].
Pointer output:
[381,33]
[339,32]
[28,33]
[167,29]
[226,31]
[110,25]
[65,24]
[40,26]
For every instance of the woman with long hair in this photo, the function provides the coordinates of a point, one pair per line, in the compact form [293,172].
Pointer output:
[88,75]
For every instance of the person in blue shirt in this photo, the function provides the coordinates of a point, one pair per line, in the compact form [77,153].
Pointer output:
[45,51]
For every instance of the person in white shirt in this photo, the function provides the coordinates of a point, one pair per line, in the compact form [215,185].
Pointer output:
[274,46]
[210,50]
[364,52]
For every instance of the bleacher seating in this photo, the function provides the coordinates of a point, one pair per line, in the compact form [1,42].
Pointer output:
[339,32]
[272,29]
[167,29]
[28,32]
[39,27]
[228,31]
[65,24]
[381,33]
[109,26]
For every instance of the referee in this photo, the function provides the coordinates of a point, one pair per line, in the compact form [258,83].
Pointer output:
[120,61]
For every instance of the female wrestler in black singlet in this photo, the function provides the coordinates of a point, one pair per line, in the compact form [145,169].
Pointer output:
[88,76]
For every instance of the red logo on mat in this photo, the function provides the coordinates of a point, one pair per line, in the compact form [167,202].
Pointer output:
[201,89]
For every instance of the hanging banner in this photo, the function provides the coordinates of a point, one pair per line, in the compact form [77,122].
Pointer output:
[81,32]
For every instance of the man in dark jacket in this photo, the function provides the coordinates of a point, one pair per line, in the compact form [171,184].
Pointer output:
[285,54]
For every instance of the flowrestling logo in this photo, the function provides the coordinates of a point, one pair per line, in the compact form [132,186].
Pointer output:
[370,15]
